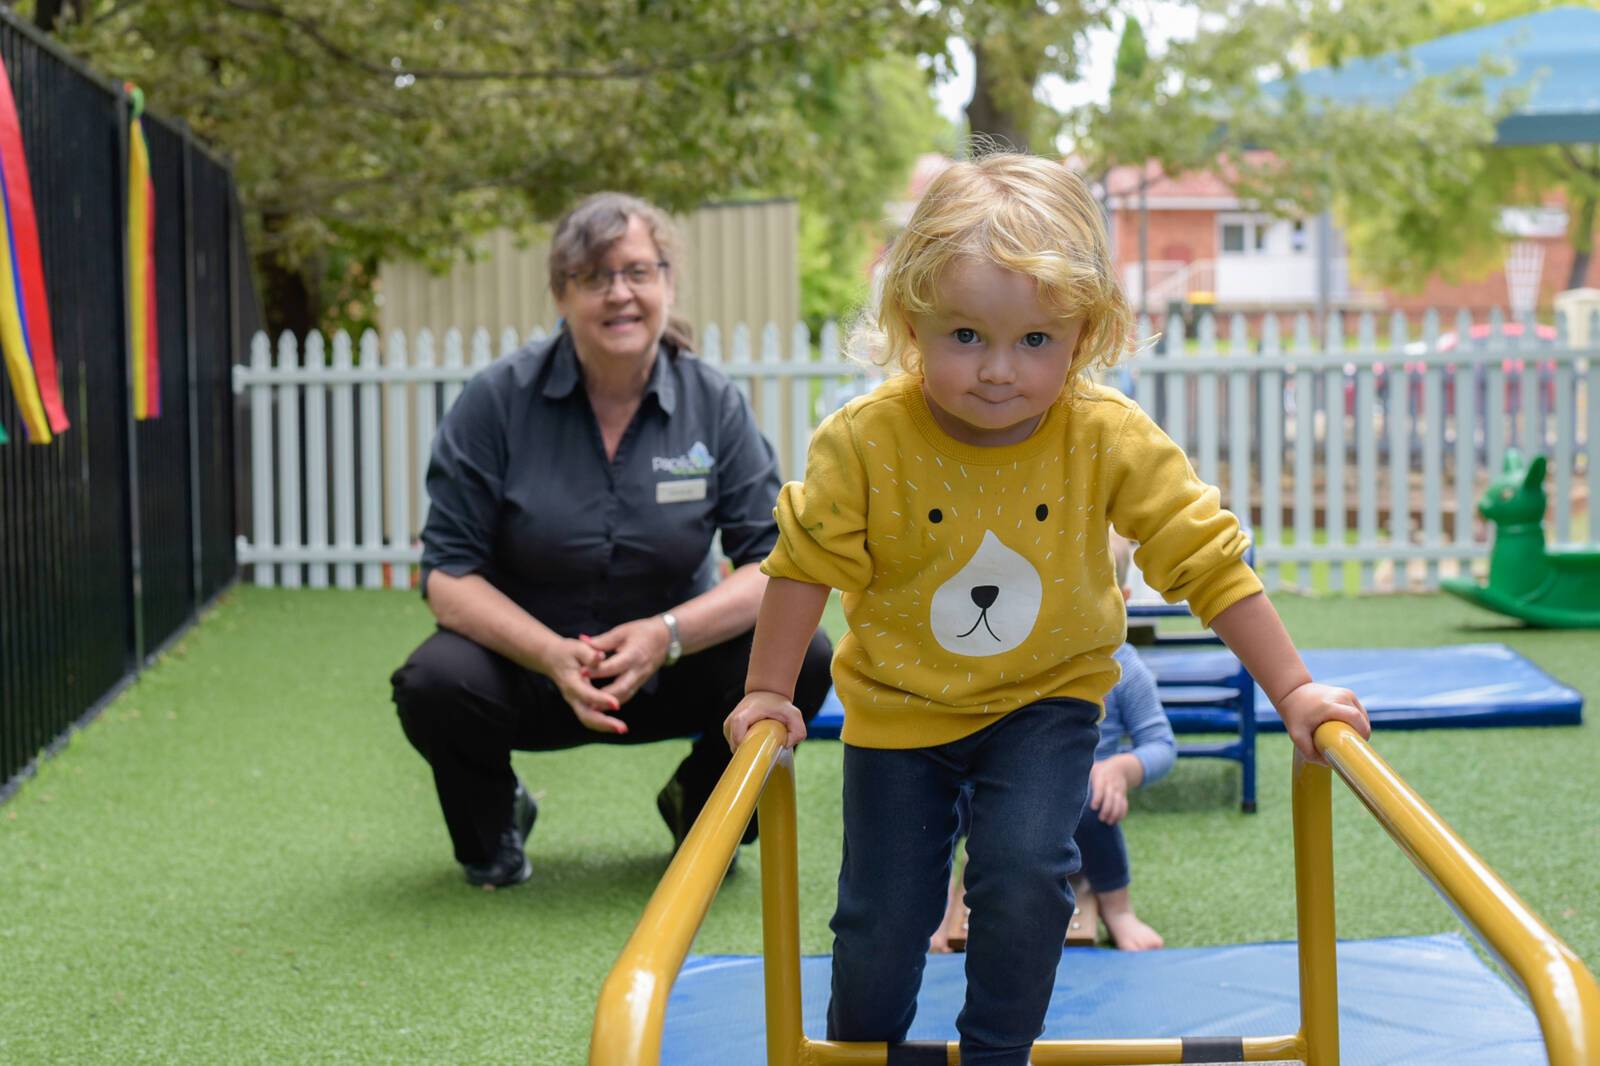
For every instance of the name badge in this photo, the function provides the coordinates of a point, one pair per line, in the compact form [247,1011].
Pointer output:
[684,491]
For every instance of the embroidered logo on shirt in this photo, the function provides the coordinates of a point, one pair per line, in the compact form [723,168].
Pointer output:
[697,460]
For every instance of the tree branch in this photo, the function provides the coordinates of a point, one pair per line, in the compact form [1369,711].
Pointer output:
[1588,170]
[621,72]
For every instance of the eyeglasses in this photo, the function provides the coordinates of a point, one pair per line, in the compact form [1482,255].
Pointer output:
[636,275]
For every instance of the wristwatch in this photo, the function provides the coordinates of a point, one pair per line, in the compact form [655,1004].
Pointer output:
[674,645]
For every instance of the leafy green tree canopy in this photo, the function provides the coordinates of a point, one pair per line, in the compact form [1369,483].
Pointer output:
[362,131]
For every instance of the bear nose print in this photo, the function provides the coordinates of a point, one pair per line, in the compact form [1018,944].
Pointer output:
[985,595]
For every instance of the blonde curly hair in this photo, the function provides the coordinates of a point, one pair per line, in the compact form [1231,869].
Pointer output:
[1021,212]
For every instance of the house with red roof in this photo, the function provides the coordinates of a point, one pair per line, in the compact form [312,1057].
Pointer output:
[1202,245]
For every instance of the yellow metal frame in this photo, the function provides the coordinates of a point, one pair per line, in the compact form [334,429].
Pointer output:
[633,1001]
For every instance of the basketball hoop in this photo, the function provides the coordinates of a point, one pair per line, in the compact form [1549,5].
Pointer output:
[1524,267]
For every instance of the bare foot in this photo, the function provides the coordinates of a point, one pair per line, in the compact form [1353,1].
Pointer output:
[1127,931]
[1131,934]
[952,932]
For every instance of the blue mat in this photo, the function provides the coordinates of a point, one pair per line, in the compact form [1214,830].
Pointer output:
[1453,686]
[1402,1002]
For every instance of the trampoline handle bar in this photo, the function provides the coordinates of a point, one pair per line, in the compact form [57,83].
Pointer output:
[632,1008]
[1564,994]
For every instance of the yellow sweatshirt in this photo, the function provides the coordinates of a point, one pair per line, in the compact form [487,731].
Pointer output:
[978,580]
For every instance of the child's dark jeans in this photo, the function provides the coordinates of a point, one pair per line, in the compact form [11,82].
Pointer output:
[1029,775]
[1101,847]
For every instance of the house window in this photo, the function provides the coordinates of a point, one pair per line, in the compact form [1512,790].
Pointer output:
[1244,236]
[1297,237]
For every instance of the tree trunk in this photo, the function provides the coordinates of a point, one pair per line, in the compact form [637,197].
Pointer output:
[292,303]
[293,295]
[1583,242]
[48,13]
[986,115]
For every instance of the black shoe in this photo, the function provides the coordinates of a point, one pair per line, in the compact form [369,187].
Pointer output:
[670,802]
[673,805]
[510,865]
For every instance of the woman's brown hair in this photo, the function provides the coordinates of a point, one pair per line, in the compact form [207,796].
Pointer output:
[594,225]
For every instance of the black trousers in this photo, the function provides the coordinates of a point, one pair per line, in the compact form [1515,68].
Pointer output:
[466,708]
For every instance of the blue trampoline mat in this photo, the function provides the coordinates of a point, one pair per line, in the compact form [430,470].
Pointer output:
[1402,1002]
[1453,686]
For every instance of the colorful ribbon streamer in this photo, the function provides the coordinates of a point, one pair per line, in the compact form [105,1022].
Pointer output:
[142,267]
[24,310]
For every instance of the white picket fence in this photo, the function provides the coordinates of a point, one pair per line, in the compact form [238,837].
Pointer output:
[1355,454]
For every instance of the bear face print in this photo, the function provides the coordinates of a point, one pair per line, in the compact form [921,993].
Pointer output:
[991,603]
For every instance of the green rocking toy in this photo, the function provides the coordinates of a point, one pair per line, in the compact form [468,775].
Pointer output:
[1551,587]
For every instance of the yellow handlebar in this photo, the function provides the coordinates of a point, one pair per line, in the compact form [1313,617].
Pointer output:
[1564,993]
[633,999]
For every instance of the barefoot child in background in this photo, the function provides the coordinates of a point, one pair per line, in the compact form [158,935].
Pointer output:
[1133,713]
[962,508]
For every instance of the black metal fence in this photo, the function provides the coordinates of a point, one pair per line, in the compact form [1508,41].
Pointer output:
[113,536]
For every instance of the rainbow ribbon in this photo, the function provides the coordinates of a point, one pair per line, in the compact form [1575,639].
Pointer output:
[142,267]
[24,310]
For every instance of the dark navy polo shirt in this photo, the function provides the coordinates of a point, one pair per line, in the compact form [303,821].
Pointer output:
[522,493]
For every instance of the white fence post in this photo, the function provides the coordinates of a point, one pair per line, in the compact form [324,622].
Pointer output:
[1494,415]
[1366,448]
[1397,404]
[1145,384]
[316,466]
[1333,456]
[1465,388]
[344,465]
[1271,438]
[769,396]
[1206,405]
[1176,385]
[371,463]
[1566,386]
[792,465]
[289,460]
[397,456]
[425,399]
[1432,456]
[263,477]
[1239,420]
[1305,451]
[453,361]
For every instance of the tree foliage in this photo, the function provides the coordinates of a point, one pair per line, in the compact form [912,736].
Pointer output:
[1417,186]
[362,131]
[871,122]
[1516,175]
[1401,178]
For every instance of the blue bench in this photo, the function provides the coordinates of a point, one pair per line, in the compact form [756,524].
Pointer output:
[1206,690]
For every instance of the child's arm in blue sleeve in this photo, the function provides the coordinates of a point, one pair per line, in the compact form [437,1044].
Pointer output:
[1143,717]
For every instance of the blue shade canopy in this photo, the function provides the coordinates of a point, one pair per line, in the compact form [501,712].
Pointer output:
[1555,58]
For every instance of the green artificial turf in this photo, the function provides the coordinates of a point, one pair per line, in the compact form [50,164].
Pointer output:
[242,860]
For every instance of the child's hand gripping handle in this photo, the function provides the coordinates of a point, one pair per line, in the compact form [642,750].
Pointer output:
[1253,632]
[759,705]
[790,611]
